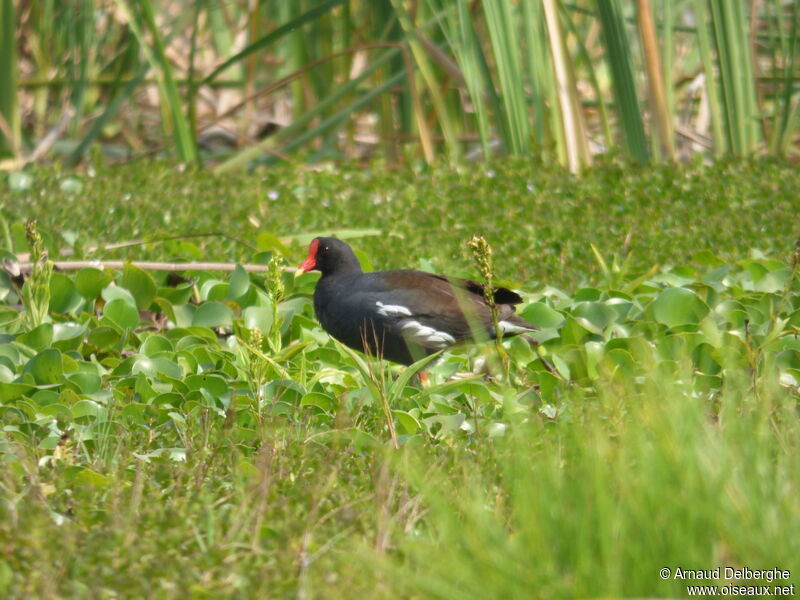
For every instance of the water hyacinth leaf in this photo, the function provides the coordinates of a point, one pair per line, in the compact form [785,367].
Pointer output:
[19,181]
[214,290]
[155,344]
[45,397]
[213,314]
[87,408]
[679,306]
[90,282]
[6,285]
[12,391]
[622,361]
[156,366]
[86,383]
[215,384]
[184,314]
[63,296]
[67,331]
[521,351]
[121,314]
[37,338]
[594,316]
[87,477]
[144,390]
[542,315]
[408,423]
[140,284]
[168,400]
[258,317]
[774,281]
[115,292]
[103,337]
[574,332]
[441,425]
[180,294]
[47,367]
[239,283]
[6,374]
[322,401]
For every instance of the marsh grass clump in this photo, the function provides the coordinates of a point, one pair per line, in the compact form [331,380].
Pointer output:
[482,254]
[36,290]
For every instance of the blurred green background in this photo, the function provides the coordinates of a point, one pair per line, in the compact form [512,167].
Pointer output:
[238,82]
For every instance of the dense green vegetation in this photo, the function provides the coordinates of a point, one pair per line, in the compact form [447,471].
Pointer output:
[540,220]
[201,436]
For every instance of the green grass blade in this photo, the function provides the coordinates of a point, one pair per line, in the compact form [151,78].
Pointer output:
[655,81]
[9,108]
[185,144]
[396,389]
[501,23]
[243,158]
[109,113]
[736,75]
[571,117]
[618,55]
[274,35]
[713,86]
[786,119]
[446,118]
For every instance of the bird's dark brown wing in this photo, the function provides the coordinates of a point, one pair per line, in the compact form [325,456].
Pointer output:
[433,311]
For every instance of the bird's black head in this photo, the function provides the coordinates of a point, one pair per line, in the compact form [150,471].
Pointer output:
[330,256]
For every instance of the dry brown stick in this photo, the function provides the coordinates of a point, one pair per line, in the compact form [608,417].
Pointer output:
[74,265]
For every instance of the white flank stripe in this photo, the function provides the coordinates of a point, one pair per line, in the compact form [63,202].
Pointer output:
[392,310]
[507,327]
[425,336]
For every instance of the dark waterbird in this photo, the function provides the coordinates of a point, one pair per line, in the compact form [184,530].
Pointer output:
[402,315]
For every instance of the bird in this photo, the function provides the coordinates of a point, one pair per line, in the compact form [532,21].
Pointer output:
[403,315]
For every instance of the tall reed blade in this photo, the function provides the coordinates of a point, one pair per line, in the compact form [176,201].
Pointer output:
[618,56]
[501,22]
[571,116]
[139,21]
[658,100]
[9,109]
[736,75]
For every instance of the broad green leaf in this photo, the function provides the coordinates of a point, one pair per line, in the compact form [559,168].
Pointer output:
[212,314]
[156,366]
[46,367]
[87,383]
[322,401]
[87,408]
[11,391]
[180,294]
[594,316]
[542,315]
[239,283]
[679,306]
[408,422]
[121,314]
[90,282]
[67,331]
[140,284]
[103,337]
[155,344]
[258,317]
[63,296]
[115,292]
[38,338]
[215,384]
